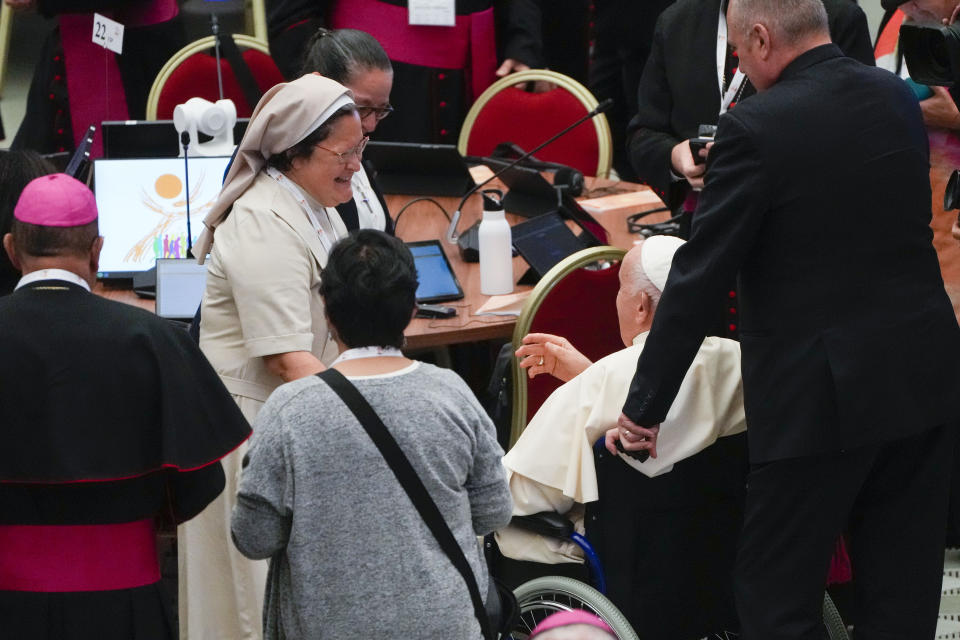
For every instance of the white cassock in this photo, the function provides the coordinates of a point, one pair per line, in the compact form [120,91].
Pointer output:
[550,468]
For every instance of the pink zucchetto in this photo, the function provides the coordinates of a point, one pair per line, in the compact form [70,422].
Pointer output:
[572,618]
[56,200]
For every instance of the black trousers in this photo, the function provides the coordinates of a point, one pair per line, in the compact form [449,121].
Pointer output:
[891,498]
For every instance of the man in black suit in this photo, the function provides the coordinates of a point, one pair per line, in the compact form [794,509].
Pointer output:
[680,88]
[817,195]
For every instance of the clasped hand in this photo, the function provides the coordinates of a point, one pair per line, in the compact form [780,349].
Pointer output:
[632,436]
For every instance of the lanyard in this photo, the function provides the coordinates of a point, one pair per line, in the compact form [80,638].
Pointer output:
[736,83]
[297,194]
[359,353]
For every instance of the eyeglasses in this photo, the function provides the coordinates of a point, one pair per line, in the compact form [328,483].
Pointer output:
[379,112]
[344,156]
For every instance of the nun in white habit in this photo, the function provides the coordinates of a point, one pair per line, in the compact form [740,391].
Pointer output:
[551,467]
[268,236]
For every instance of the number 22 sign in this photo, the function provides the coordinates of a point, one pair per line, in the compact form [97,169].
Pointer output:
[107,33]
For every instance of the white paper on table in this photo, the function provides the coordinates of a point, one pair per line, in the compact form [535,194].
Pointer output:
[506,305]
[435,13]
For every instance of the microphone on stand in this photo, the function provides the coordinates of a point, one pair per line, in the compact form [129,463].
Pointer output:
[185,141]
[468,242]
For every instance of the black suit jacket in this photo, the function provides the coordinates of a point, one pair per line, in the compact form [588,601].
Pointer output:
[679,90]
[817,193]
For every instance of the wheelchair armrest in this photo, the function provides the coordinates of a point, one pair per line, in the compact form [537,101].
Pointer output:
[545,523]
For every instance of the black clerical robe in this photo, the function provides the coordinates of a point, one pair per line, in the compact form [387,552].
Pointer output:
[113,423]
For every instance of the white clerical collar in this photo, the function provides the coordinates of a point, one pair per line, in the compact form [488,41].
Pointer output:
[640,338]
[52,274]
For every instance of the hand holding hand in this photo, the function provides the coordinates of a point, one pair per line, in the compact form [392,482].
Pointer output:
[682,160]
[547,353]
[637,438]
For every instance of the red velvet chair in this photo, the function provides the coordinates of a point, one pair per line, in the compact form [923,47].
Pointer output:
[507,113]
[574,302]
[192,73]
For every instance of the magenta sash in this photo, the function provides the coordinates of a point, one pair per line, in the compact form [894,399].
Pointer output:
[94,85]
[469,45]
[99,557]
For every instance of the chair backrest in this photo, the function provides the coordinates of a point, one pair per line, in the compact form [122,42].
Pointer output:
[508,113]
[192,73]
[575,302]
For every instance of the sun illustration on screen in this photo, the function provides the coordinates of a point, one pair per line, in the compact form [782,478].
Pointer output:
[168,201]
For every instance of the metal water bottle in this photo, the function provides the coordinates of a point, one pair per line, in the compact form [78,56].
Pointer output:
[496,247]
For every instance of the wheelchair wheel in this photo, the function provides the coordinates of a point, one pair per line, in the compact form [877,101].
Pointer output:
[833,625]
[539,598]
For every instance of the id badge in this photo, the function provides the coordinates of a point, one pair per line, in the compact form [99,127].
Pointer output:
[434,13]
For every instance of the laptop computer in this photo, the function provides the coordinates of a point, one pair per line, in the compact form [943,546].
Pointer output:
[419,169]
[180,285]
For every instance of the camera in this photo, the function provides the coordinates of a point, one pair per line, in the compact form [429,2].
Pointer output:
[705,135]
[932,52]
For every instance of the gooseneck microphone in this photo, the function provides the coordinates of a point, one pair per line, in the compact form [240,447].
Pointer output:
[185,141]
[452,234]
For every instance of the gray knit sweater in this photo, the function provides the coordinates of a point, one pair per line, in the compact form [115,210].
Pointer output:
[350,556]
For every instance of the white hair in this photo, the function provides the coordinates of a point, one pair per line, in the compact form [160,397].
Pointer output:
[796,20]
[635,280]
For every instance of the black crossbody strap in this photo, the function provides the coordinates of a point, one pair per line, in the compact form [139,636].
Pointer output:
[241,70]
[411,483]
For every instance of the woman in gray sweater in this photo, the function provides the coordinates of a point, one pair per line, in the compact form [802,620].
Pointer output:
[350,555]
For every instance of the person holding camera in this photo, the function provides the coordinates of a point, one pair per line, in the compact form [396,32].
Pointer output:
[691,77]
[939,107]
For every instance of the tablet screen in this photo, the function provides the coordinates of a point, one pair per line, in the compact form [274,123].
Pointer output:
[437,280]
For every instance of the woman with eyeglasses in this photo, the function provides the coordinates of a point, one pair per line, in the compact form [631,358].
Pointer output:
[263,322]
[356,60]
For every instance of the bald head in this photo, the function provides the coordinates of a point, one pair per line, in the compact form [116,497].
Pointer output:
[770,34]
[793,20]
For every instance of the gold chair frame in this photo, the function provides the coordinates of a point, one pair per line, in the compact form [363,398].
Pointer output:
[197,46]
[562,269]
[6,27]
[600,124]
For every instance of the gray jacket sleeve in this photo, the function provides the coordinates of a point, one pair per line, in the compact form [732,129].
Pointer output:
[261,520]
[490,501]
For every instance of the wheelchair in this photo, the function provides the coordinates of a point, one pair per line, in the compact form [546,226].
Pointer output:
[668,567]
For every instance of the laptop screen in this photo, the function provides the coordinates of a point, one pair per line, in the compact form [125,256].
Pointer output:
[180,285]
[143,209]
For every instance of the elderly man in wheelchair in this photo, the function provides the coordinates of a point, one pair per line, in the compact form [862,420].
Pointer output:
[665,529]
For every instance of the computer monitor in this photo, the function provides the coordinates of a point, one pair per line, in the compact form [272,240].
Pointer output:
[143,209]
[150,138]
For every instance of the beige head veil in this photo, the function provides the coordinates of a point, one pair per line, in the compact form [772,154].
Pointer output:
[286,114]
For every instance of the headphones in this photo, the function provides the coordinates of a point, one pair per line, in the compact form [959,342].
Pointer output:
[672,227]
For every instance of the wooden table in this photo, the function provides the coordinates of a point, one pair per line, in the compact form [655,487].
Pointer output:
[425,221]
